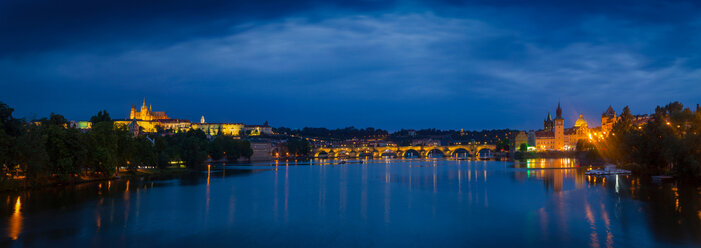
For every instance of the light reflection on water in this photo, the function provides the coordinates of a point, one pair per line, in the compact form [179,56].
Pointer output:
[410,202]
[15,223]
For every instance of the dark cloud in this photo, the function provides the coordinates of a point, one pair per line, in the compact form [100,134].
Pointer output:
[41,25]
[449,64]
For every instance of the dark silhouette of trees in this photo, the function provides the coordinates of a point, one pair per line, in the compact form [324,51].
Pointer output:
[334,134]
[100,117]
[299,147]
[49,148]
[667,144]
[226,147]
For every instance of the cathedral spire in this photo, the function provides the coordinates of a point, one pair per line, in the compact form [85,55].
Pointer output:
[558,112]
[144,104]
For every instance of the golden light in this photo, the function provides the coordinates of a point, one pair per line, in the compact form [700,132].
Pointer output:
[16,220]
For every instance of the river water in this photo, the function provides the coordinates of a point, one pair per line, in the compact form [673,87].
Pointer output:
[407,203]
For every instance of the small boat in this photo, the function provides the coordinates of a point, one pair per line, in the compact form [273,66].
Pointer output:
[608,170]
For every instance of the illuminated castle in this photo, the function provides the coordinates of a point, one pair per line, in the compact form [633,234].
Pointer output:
[146,114]
[148,121]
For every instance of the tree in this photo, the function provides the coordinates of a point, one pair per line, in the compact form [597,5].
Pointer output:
[502,145]
[31,152]
[299,147]
[56,120]
[244,148]
[65,148]
[163,152]
[217,147]
[523,147]
[192,148]
[103,148]
[100,117]
[12,127]
[667,144]
[144,152]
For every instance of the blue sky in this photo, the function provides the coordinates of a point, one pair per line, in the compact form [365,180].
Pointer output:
[385,64]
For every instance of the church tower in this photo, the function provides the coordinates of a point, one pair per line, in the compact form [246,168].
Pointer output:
[559,128]
[144,113]
[548,123]
[132,112]
[608,118]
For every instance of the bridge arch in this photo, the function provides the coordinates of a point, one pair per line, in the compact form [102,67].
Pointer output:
[365,153]
[471,149]
[434,152]
[386,152]
[408,152]
[342,153]
[321,154]
[460,152]
[480,149]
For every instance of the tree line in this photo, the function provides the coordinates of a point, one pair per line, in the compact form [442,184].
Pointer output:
[669,143]
[334,134]
[49,148]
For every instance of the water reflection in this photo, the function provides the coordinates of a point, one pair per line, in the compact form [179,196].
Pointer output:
[420,202]
[15,222]
[553,172]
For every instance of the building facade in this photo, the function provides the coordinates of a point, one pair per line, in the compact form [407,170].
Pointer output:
[608,118]
[555,137]
[146,114]
[146,120]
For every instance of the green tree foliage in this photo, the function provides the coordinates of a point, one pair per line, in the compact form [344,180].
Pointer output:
[100,117]
[667,144]
[31,153]
[503,145]
[523,147]
[144,152]
[192,147]
[102,143]
[163,153]
[298,147]
[245,149]
[49,148]
[217,148]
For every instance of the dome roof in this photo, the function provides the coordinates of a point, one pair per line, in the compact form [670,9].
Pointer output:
[580,122]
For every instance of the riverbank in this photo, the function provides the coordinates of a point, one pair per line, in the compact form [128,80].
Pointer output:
[20,184]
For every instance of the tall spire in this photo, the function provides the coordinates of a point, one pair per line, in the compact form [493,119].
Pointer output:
[550,118]
[558,112]
[609,112]
[144,104]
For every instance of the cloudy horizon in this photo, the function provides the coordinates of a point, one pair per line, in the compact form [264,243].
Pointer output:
[389,65]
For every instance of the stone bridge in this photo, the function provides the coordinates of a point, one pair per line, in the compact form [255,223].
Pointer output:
[401,151]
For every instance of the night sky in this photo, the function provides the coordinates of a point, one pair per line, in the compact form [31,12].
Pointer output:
[384,64]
